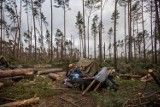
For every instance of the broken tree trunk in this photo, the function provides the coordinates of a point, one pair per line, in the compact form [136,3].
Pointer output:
[16,72]
[154,77]
[53,76]
[23,103]
[49,71]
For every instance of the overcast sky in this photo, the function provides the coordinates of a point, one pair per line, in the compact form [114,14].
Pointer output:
[76,5]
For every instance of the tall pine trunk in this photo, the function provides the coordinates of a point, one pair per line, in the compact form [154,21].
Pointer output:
[152,35]
[115,42]
[1,28]
[84,49]
[51,32]
[35,37]
[125,33]
[144,47]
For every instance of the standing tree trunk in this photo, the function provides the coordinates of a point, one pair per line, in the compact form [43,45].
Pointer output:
[115,43]
[155,44]
[84,49]
[134,39]
[35,37]
[64,38]
[100,36]
[88,37]
[104,50]
[125,33]
[152,36]
[19,38]
[144,47]
[1,27]
[130,33]
[80,43]
[51,32]
[157,19]
[94,45]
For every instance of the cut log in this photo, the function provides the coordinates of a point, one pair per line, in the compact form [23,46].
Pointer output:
[146,78]
[1,84]
[15,78]
[24,103]
[49,71]
[16,72]
[53,76]
[154,77]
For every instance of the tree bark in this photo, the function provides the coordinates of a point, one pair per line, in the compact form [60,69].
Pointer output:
[11,73]
[152,36]
[129,29]
[94,45]
[100,37]
[84,50]
[144,47]
[35,37]
[115,42]
[49,71]
[23,103]
[155,44]
[1,27]
[51,32]
[125,33]
[88,37]
[157,20]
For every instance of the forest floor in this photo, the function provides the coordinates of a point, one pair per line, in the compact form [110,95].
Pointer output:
[55,94]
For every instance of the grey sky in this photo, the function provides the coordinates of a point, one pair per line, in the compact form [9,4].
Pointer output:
[76,5]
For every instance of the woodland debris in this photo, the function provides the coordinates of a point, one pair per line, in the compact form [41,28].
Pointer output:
[49,71]
[42,66]
[53,76]
[1,84]
[68,101]
[129,75]
[16,72]
[23,103]
[15,78]
[154,77]
[146,78]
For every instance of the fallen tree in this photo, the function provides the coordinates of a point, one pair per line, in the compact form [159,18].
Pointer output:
[129,75]
[16,72]
[23,103]
[154,77]
[15,78]
[53,76]
[49,71]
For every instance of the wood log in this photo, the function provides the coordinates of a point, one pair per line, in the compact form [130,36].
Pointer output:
[146,78]
[23,103]
[154,77]
[1,84]
[129,75]
[49,71]
[53,76]
[15,78]
[16,72]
